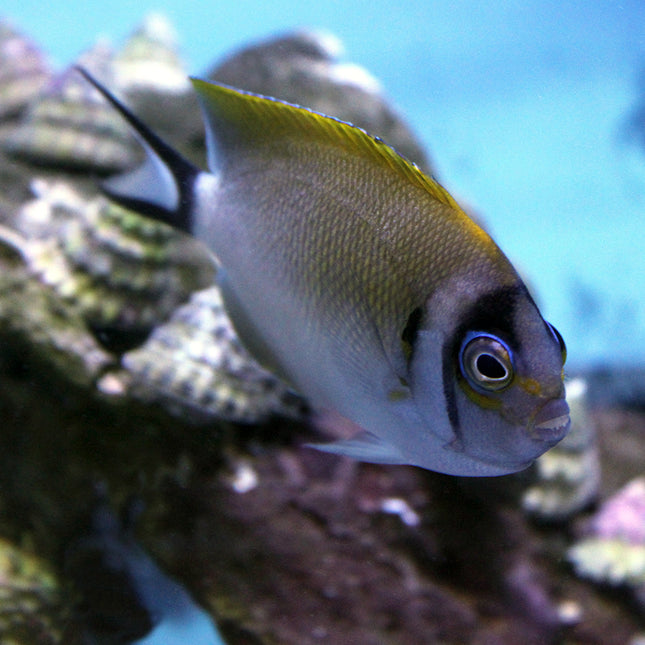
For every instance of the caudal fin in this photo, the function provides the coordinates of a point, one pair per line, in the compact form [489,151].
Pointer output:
[162,187]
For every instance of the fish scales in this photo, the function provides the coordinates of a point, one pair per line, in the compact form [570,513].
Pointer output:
[345,252]
[363,283]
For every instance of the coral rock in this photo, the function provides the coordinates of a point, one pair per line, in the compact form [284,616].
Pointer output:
[70,125]
[195,366]
[24,71]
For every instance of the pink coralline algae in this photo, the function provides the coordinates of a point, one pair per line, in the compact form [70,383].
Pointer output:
[614,550]
[623,516]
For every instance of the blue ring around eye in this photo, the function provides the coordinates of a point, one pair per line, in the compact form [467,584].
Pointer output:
[471,335]
[487,383]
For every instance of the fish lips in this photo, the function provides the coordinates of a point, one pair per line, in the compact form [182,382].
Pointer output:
[551,422]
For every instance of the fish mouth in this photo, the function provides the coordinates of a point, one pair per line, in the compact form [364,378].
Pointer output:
[551,422]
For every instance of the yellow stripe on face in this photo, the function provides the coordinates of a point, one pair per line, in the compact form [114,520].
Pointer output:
[530,386]
[485,401]
[395,395]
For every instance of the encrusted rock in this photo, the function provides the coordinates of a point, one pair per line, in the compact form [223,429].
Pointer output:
[24,71]
[195,366]
[613,552]
[69,125]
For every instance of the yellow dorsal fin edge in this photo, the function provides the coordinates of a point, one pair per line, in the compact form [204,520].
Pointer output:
[252,116]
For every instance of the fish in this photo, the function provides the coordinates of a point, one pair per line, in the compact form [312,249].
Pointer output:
[360,280]
[127,598]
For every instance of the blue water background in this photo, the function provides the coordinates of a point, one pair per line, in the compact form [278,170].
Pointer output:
[521,104]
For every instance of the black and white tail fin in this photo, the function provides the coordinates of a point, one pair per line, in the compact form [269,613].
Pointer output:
[163,187]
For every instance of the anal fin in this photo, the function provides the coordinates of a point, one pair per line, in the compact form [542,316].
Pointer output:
[364,446]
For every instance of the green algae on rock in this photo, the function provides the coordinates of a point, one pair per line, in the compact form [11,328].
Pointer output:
[119,270]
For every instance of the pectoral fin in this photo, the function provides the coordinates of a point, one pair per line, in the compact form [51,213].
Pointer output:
[364,447]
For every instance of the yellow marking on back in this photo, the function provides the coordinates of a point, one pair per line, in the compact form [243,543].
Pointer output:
[258,117]
[391,255]
[395,395]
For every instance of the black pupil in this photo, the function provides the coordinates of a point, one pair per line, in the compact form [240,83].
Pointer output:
[490,367]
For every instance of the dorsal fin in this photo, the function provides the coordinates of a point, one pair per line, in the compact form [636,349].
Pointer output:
[161,188]
[235,117]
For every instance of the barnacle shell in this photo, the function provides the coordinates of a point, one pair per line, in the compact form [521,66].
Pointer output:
[23,71]
[614,550]
[151,75]
[120,270]
[150,60]
[195,366]
[568,475]
[71,126]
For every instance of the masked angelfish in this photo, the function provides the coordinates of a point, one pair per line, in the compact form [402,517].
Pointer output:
[361,281]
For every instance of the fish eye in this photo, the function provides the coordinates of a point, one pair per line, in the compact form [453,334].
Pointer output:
[558,337]
[485,362]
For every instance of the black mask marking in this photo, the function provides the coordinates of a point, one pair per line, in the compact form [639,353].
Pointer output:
[410,332]
[493,312]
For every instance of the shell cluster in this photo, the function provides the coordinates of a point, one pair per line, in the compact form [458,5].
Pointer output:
[66,124]
[120,270]
[24,71]
[195,366]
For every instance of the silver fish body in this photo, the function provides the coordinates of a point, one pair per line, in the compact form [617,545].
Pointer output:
[361,281]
